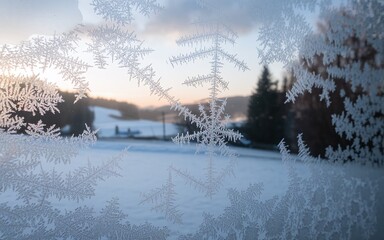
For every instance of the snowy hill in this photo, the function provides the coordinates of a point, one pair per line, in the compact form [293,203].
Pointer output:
[108,126]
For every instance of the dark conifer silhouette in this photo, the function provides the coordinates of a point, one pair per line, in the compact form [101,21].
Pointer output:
[264,124]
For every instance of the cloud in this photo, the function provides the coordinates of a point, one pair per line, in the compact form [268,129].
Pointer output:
[21,18]
[178,15]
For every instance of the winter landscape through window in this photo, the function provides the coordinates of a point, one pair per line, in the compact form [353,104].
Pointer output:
[54,186]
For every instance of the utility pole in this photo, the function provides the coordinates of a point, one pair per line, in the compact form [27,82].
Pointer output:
[163,114]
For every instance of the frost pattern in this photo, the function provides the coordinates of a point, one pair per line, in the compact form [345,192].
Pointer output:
[283,27]
[122,46]
[27,94]
[32,165]
[117,44]
[212,136]
[323,201]
[41,53]
[121,11]
[42,221]
[307,209]
[164,198]
[351,52]
[25,171]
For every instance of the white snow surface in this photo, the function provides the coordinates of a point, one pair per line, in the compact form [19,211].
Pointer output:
[145,166]
[106,123]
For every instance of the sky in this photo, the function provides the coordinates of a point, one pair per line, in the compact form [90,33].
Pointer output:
[19,19]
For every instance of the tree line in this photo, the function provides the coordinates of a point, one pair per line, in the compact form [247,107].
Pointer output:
[270,119]
[72,118]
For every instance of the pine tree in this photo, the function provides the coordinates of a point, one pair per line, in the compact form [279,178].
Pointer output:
[264,118]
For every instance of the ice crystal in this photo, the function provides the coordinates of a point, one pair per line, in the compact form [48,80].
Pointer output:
[121,11]
[209,40]
[31,164]
[283,27]
[22,158]
[243,219]
[25,171]
[351,51]
[28,94]
[41,53]
[323,201]
[119,45]
[42,221]
[212,136]
[328,203]
[164,198]
[331,201]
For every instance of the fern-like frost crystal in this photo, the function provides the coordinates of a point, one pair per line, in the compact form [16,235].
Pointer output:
[30,163]
[212,135]
[350,52]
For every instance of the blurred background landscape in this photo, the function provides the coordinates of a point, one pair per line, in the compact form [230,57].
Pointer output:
[264,118]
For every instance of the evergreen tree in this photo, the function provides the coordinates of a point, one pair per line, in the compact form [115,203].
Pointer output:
[264,124]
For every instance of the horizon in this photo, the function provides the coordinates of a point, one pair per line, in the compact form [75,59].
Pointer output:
[149,107]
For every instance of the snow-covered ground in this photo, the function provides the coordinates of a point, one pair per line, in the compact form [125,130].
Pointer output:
[106,123]
[145,168]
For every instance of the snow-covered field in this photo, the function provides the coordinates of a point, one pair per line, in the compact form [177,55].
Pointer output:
[145,167]
[106,123]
